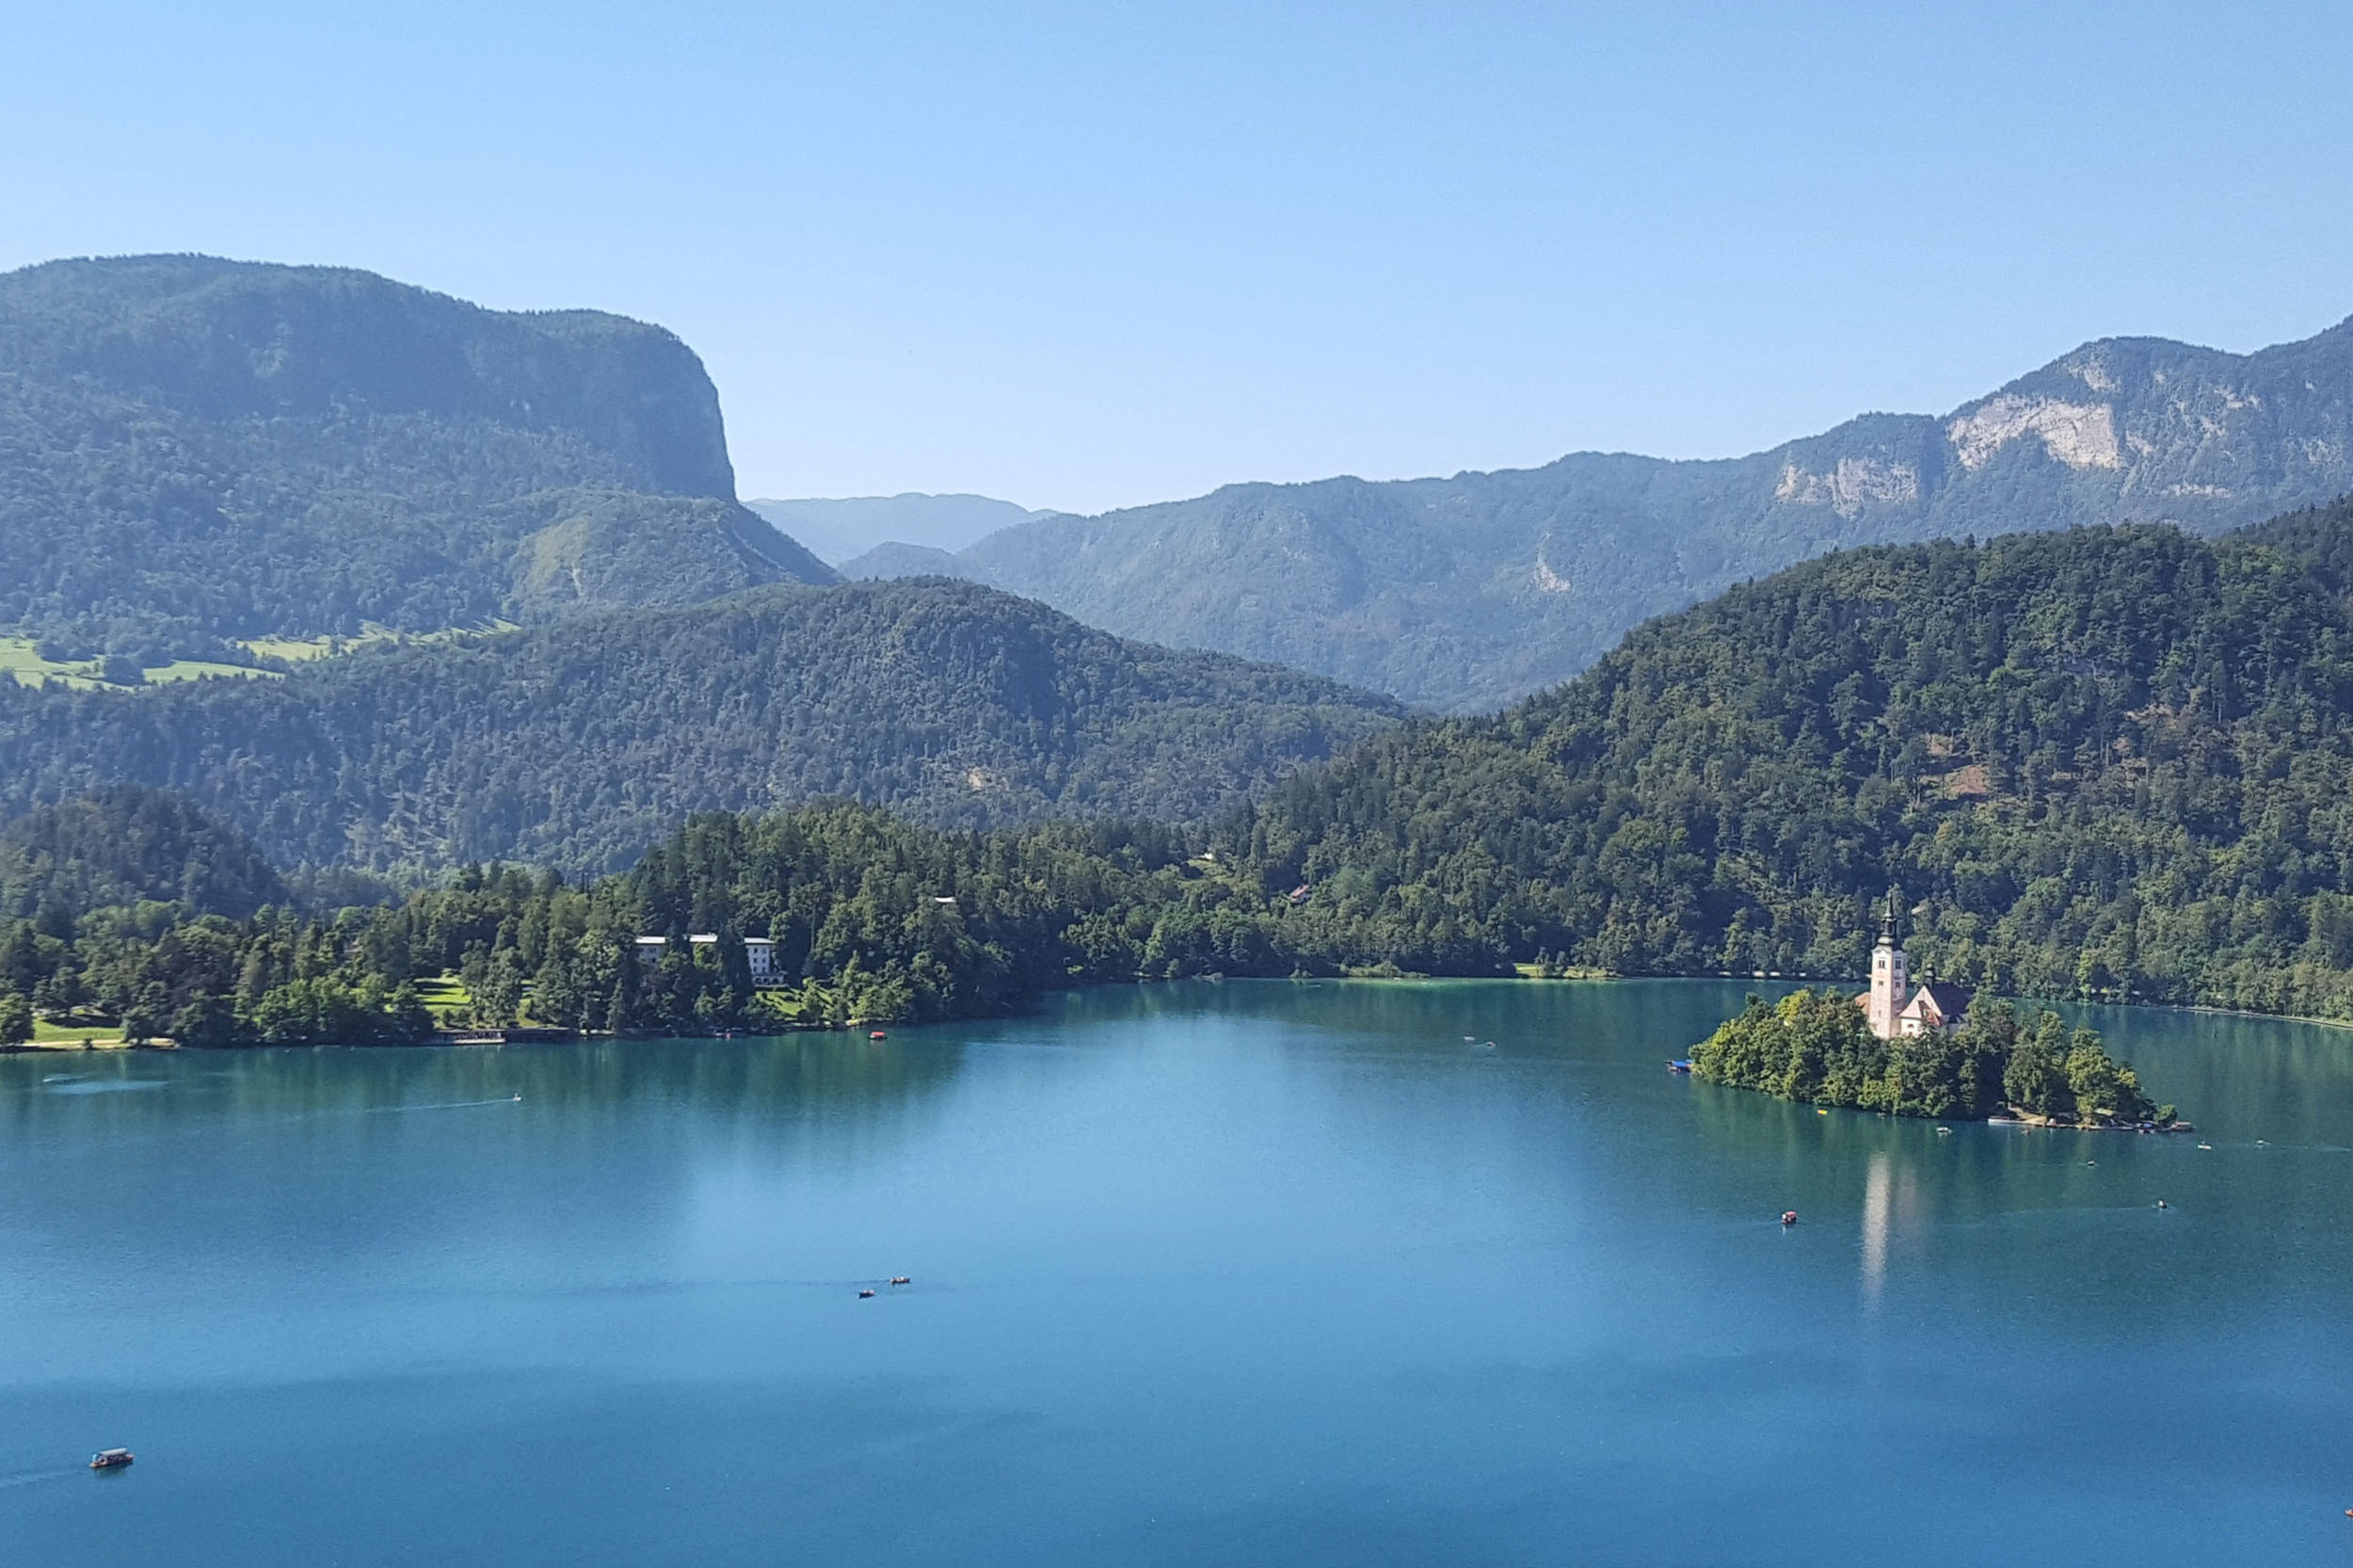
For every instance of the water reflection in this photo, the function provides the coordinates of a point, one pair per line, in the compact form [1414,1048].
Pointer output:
[1878,1203]
[378,1168]
[816,1077]
[1891,1203]
[1243,1272]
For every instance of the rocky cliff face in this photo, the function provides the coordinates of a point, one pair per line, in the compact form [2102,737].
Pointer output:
[195,451]
[221,341]
[1466,592]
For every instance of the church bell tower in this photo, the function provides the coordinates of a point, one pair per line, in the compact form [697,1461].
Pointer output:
[1890,986]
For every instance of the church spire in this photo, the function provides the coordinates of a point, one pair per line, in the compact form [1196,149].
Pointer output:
[1891,987]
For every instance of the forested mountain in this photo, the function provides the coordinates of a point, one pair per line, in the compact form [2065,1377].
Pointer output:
[194,451]
[841,530]
[2114,761]
[2108,763]
[124,845]
[1468,592]
[577,743]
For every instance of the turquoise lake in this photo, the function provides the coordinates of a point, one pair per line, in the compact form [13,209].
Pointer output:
[1272,1272]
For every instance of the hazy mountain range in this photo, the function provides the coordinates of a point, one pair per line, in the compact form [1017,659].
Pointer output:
[193,452]
[1466,592]
[836,530]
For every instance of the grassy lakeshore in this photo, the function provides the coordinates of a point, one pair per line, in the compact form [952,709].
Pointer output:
[56,1036]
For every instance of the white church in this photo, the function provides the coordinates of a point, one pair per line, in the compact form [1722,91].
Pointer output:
[1893,1007]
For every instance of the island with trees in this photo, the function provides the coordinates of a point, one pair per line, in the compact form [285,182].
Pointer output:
[1819,1047]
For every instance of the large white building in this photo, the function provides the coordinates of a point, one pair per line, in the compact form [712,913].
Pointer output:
[760,952]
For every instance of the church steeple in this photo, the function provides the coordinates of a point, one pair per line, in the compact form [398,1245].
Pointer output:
[1891,987]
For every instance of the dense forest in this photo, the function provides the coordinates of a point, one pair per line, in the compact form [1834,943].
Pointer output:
[130,845]
[875,919]
[576,744]
[2107,762]
[1816,1047]
[195,453]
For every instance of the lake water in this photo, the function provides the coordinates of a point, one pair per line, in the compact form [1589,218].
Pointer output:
[1221,1274]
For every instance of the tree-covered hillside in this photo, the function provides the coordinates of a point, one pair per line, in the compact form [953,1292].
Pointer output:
[578,744]
[2106,761]
[128,845]
[194,451]
[1468,592]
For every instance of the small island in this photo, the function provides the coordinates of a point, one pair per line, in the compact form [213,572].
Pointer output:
[1817,1046]
[1939,1053]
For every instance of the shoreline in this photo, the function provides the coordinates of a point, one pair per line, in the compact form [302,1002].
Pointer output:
[541,1034]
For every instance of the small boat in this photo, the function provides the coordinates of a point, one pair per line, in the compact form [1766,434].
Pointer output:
[1682,1066]
[879,1034]
[901,1279]
[110,1458]
[865,1295]
[1788,1216]
[1944,1133]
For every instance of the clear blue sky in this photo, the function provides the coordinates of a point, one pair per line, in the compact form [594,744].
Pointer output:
[1085,256]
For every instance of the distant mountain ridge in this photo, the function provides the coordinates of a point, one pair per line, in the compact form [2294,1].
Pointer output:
[1466,592]
[193,450]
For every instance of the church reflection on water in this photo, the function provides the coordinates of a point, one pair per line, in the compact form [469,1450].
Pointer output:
[1891,1199]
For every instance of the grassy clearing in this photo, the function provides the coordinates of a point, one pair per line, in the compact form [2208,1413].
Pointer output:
[22,661]
[191,669]
[446,998]
[19,660]
[444,990]
[303,649]
[48,1032]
